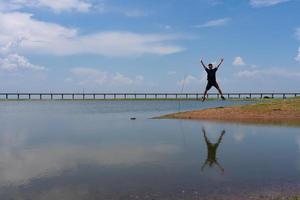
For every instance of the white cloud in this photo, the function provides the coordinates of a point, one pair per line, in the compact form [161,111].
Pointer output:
[247,73]
[164,26]
[280,72]
[44,37]
[139,78]
[239,136]
[59,6]
[14,62]
[167,27]
[122,79]
[10,46]
[103,7]
[88,76]
[298,56]
[214,23]
[297,34]
[55,5]
[68,80]
[192,80]
[9,5]
[263,79]
[171,73]
[134,13]
[20,165]
[216,2]
[238,61]
[264,3]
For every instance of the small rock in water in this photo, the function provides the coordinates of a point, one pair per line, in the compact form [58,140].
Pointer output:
[132,118]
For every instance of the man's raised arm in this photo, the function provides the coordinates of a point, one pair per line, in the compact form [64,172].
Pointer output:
[202,63]
[220,63]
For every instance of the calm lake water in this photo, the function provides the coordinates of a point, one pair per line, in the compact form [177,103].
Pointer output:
[92,150]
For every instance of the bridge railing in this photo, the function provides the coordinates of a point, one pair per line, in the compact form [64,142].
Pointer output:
[133,96]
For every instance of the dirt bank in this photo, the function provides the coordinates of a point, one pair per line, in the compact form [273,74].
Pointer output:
[271,111]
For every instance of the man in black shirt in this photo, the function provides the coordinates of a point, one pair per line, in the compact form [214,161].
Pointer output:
[211,78]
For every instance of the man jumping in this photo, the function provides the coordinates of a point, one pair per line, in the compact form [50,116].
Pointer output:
[211,78]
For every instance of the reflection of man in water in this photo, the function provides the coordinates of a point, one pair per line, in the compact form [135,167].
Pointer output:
[211,159]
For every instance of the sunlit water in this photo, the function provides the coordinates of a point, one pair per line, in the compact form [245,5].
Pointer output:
[92,150]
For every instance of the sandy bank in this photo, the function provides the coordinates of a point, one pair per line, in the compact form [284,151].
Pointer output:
[271,111]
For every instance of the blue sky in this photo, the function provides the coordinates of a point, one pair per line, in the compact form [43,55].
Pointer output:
[139,45]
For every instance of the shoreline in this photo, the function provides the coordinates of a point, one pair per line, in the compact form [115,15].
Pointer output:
[279,112]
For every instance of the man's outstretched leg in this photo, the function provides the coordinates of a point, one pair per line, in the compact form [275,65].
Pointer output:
[208,86]
[204,95]
[219,90]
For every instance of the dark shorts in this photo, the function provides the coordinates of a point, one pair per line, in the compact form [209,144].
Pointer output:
[211,84]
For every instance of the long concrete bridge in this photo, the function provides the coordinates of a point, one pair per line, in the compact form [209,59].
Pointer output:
[138,96]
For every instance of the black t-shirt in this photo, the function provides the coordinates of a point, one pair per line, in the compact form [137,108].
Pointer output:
[211,74]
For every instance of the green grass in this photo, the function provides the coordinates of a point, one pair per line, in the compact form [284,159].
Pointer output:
[274,105]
